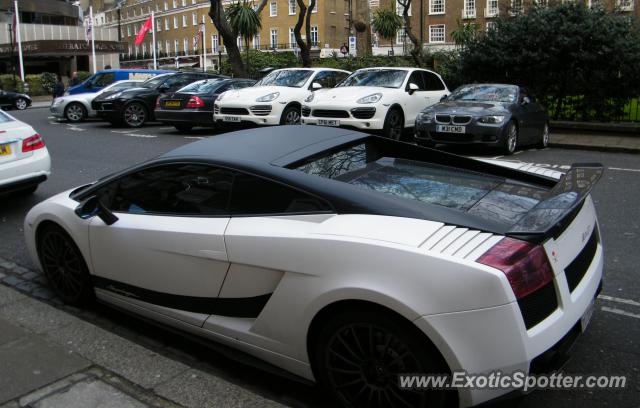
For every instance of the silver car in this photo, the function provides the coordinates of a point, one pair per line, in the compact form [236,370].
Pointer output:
[76,108]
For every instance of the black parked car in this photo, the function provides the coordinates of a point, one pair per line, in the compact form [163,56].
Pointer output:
[499,115]
[192,105]
[13,100]
[134,107]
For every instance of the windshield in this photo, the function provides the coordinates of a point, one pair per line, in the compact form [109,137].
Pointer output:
[294,78]
[118,86]
[4,118]
[155,81]
[489,93]
[202,87]
[386,78]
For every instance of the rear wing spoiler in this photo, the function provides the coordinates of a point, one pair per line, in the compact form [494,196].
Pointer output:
[565,198]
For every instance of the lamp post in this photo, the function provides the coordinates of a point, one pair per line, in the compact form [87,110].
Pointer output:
[13,63]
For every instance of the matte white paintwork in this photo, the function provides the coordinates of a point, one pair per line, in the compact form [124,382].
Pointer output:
[248,281]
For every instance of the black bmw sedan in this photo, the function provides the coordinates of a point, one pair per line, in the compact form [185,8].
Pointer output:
[192,105]
[504,116]
[134,107]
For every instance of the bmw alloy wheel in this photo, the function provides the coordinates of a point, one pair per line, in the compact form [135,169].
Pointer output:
[512,139]
[545,136]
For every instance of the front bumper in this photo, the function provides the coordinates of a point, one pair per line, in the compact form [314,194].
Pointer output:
[25,172]
[356,117]
[190,116]
[490,135]
[108,109]
[267,113]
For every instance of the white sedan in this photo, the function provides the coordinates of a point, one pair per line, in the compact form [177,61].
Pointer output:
[77,107]
[277,98]
[383,99]
[24,159]
[341,257]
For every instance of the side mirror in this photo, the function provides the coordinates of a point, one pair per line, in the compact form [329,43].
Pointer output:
[444,98]
[412,88]
[525,101]
[91,207]
[315,86]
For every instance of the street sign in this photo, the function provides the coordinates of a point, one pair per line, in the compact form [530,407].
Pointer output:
[352,46]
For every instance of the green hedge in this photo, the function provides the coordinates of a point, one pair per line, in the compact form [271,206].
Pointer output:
[6,81]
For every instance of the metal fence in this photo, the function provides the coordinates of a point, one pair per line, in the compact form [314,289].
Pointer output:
[578,108]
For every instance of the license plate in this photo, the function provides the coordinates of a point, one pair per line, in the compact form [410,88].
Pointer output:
[450,129]
[172,104]
[324,122]
[5,150]
[586,317]
[231,118]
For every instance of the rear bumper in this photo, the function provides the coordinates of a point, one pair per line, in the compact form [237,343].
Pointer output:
[25,172]
[186,116]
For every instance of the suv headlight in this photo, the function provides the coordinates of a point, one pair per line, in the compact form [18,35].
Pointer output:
[310,97]
[268,98]
[491,120]
[370,99]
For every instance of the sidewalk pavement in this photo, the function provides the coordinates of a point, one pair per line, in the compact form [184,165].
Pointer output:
[51,359]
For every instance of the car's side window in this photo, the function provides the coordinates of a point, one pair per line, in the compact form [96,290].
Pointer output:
[257,196]
[432,82]
[416,78]
[104,79]
[175,189]
[328,79]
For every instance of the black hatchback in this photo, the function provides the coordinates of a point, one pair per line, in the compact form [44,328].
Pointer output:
[192,105]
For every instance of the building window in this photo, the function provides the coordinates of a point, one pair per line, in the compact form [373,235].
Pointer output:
[491,25]
[292,38]
[185,46]
[292,7]
[184,3]
[516,7]
[175,22]
[314,36]
[436,33]
[129,50]
[436,6]
[128,30]
[158,24]
[401,36]
[144,50]
[175,3]
[256,41]
[492,8]
[545,3]
[469,10]
[166,6]
[214,43]
[166,24]
[400,9]
[167,45]
[157,7]
[196,38]
[194,18]
[274,38]
[273,9]
[625,5]
[184,20]
[159,47]
[193,1]
[315,9]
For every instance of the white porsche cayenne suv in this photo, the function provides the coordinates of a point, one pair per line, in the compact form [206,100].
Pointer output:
[341,257]
[277,98]
[376,99]
[24,158]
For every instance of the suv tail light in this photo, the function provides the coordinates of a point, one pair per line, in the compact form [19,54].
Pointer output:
[526,265]
[195,102]
[158,102]
[32,143]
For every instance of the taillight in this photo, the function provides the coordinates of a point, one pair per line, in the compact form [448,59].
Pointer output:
[158,102]
[526,265]
[31,143]
[195,102]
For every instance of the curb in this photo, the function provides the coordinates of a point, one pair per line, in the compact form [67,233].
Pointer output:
[598,148]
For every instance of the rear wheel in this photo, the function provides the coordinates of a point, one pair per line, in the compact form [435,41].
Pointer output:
[75,112]
[544,140]
[21,104]
[510,143]
[393,125]
[361,353]
[64,266]
[290,116]
[134,115]
[184,128]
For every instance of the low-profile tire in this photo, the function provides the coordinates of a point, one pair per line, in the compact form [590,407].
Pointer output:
[291,115]
[393,124]
[64,266]
[359,354]
[134,115]
[183,128]
[510,142]
[75,112]
[21,104]
[544,138]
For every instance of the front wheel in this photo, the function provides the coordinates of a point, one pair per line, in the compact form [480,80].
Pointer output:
[64,266]
[544,140]
[360,355]
[75,112]
[393,125]
[134,115]
[290,116]
[511,139]
[21,104]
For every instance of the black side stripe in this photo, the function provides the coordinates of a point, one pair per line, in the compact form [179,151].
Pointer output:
[232,307]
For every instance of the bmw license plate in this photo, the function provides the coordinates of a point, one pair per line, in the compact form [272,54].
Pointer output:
[231,118]
[586,317]
[325,122]
[5,150]
[450,129]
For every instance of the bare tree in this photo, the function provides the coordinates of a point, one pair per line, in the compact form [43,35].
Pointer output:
[229,36]
[304,18]
[416,51]
[363,27]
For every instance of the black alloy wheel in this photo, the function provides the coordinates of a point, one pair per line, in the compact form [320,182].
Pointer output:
[64,266]
[134,115]
[290,116]
[393,125]
[360,356]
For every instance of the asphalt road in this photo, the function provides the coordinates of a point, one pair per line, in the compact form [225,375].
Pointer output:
[84,152]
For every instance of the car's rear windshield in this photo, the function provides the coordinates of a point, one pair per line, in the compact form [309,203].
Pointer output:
[368,166]
[155,81]
[202,87]
[485,93]
[4,118]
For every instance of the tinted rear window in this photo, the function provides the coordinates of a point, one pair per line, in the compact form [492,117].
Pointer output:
[4,118]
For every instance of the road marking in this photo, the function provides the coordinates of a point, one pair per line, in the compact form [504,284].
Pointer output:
[166,128]
[621,169]
[619,312]
[138,135]
[194,137]
[124,131]
[619,300]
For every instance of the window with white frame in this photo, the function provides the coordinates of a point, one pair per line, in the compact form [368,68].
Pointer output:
[256,41]
[144,49]
[273,41]
[516,6]
[159,24]
[176,46]
[194,18]
[175,3]
[491,25]
[315,9]
[167,46]
[436,7]
[184,20]
[185,45]
[175,22]
[400,8]
[184,3]
[157,7]
[129,49]
[194,1]
[273,9]
[195,41]
[166,6]
[128,31]
[159,47]
[314,36]
[292,38]
[401,36]
[492,8]
[137,49]
[292,7]
[437,33]
[625,5]
[166,24]
[214,42]
[469,10]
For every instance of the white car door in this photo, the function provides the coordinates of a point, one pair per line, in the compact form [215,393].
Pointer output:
[166,252]
[435,88]
[415,100]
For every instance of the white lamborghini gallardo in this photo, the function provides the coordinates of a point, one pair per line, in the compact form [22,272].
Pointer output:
[343,258]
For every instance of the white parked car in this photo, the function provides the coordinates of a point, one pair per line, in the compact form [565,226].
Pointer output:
[24,159]
[382,99]
[77,107]
[341,257]
[277,98]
